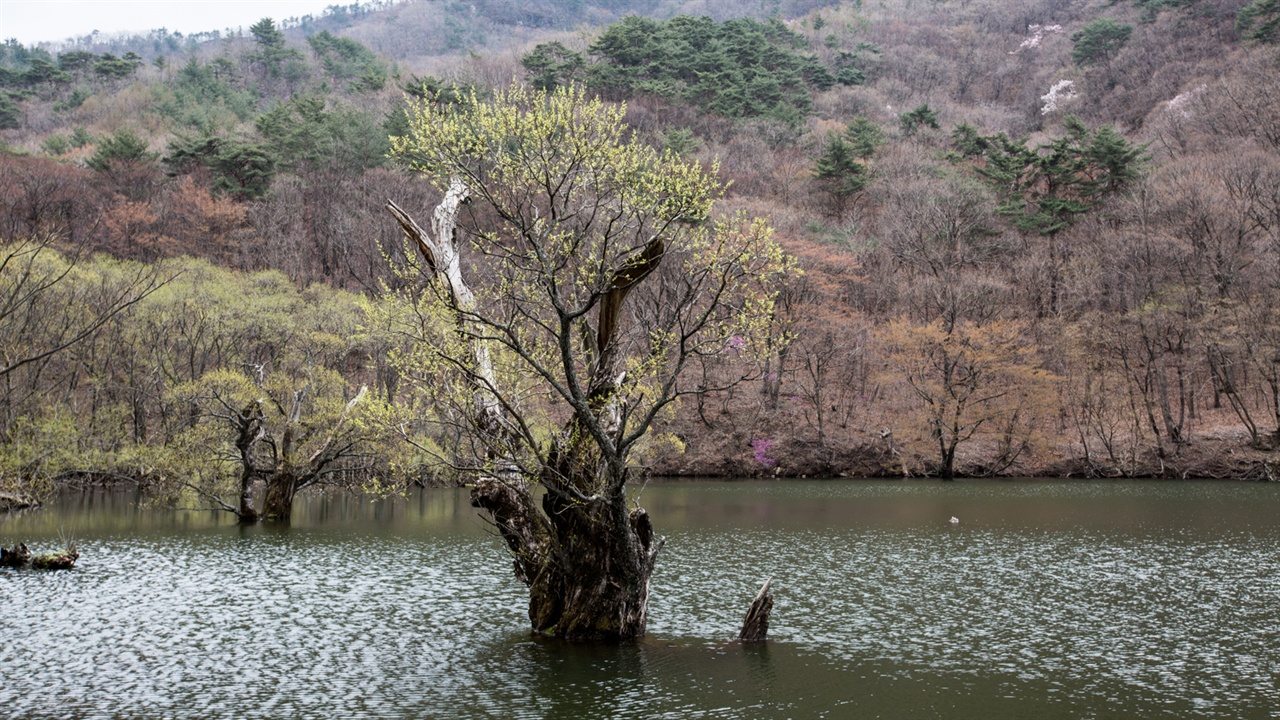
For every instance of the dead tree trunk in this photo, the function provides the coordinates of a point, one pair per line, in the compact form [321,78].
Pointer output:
[755,627]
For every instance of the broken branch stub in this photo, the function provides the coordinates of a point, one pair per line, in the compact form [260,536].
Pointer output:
[756,626]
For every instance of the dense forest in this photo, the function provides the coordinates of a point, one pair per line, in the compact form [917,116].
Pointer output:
[1039,237]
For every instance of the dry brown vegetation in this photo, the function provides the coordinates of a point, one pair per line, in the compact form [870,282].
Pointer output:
[929,334]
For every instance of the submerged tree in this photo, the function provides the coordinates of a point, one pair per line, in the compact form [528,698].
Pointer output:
[559,311]
[289,428]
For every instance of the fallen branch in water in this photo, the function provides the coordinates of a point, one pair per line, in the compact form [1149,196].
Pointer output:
[20,556]
[9,502]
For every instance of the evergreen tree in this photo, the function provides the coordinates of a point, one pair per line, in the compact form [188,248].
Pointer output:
[1099,41]
[10,113]
[922,116]
[123,147]
[110,66]
[1260,21]
[1046,187]
[240,169]
[839,174]
[968,142]
[864,136]
[76,61]
[272,53]
[552,65]
[739,68]
[346,59]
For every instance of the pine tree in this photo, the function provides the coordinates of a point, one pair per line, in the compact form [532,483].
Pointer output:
[1099,41]
[839,173]
[864,137]
[922,116]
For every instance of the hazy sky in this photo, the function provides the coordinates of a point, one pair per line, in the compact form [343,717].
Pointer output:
[33,21]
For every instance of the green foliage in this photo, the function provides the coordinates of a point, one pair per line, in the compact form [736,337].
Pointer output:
[1099,41]
[56,145]
[60,144]
[1046,187]
[15,54]
[41,448]
[111,67]
[864,137]
[553,65]
[423,88]
[267,35]
[307,136]
[546,168]
[44,72]
[680,141]
[224,341]
[968,142]
[123,147]
[10,113]
[847,71]
[76,61]
[739,68]
[240,169]
[276,58]
[435,90]
[204,97]
[839,173]
[1259,21]
[920,117]
[80,137]
[346,59]
[73,101]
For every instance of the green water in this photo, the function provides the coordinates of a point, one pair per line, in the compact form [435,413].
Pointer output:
[1046,600]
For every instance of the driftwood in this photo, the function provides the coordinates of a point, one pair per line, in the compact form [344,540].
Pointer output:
[20,556]
[10,502]
[756,626]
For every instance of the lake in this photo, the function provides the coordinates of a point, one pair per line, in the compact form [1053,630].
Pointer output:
[1048,599]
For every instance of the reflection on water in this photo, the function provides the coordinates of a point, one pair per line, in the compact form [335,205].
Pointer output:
[1068,600]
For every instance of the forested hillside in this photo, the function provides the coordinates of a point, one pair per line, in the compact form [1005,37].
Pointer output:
[1036,237]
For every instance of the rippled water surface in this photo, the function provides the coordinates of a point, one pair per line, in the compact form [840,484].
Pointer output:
[1045,600]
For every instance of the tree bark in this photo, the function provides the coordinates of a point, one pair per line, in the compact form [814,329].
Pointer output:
[586,559]
[249,429]
[281,487]
[755,628]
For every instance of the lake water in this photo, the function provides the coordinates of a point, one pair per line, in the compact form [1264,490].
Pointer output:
[1048,599]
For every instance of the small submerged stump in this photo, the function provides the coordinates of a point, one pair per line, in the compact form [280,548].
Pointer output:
[20,556]
[756,626]
[16,556]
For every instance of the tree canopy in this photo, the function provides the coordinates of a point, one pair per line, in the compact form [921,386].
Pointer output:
[1099,41]
[738,68]
[562,313]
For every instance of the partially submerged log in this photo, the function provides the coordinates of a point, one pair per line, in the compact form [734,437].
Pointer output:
[59,560]
[756,626]
[20,556]
[10,502]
